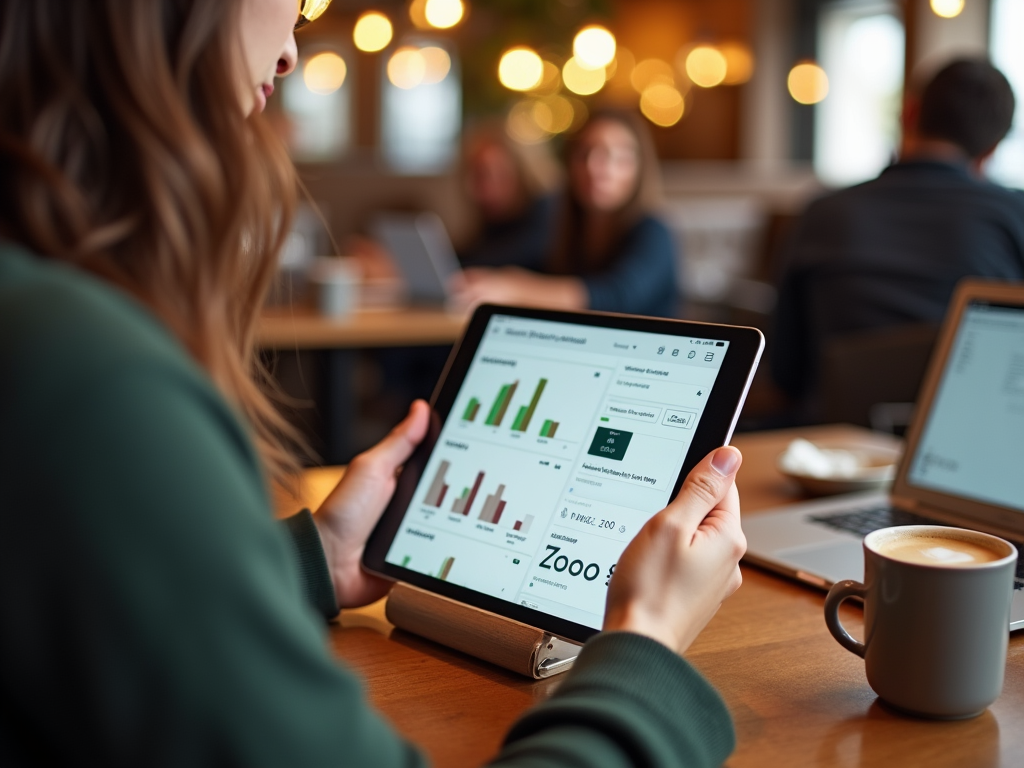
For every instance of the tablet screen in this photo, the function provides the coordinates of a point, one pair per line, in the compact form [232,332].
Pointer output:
[562,442]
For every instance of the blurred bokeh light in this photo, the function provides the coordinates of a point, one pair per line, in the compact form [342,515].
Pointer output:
[651,71]
[593,47]
[739,63]
[372,32]
[443,14]
[947,9]
[407,67]
[581,81]
[808,83]
[324,73]
[706,66]
[662,104]
[438,64]
[520,69]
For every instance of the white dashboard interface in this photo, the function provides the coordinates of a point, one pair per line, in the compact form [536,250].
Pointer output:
[562,442]
[973,441]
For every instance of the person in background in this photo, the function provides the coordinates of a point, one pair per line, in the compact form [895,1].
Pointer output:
[609,251]
[890,251]
[510,186]
[154,612]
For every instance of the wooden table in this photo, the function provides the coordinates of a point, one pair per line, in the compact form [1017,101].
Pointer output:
[797,698]
[299,327]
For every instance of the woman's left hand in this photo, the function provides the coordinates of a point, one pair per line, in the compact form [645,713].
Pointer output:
[346,519]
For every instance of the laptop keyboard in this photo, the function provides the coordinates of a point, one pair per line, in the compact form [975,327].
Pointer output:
[864,521]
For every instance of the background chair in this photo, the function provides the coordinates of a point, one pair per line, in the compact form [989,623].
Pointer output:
[872,378]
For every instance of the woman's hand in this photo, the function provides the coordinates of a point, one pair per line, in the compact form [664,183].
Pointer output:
[349,514]
[511,285]
[684,562]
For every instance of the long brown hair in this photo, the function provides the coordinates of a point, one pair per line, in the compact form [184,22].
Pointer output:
[568,255]
[125,150]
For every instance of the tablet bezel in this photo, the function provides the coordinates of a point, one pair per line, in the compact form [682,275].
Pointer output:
[713,430]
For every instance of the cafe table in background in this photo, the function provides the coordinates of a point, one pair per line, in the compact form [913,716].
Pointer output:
[796,696]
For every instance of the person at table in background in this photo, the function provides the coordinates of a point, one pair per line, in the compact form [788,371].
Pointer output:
[890,251]
[510,187]
[609,250]
[154,613]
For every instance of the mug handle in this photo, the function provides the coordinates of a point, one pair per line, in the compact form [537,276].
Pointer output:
[839,592]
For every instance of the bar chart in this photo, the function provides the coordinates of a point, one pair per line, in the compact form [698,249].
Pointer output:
[494,505]
[500,406]
[524,415]
[464,503]
[549,428]
[523,526]
[472,409]
[494,509]
[446,568]
[438,489]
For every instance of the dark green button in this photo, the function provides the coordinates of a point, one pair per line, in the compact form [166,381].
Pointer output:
[610,443]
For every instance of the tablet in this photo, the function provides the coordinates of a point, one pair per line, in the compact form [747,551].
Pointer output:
[554,437]
[420,246]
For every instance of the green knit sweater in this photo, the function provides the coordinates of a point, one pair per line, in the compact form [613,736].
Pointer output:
[152,612]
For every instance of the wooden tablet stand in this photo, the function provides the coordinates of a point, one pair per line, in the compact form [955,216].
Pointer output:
[519,647]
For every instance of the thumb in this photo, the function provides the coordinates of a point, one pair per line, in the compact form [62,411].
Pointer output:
[393,450]
[707,485]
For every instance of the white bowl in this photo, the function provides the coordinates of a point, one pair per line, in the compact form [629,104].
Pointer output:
[858,468]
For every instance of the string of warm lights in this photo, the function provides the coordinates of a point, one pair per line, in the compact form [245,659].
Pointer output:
[550,89]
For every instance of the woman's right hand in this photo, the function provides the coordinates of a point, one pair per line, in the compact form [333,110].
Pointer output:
[684,562]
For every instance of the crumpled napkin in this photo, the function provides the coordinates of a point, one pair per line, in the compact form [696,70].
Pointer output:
[803,457]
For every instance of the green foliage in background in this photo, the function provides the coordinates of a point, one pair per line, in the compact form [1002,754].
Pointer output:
[547,26]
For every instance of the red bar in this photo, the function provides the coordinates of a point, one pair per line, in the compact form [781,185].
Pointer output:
[440,496]
[518,525]
[472,493]
[497,513]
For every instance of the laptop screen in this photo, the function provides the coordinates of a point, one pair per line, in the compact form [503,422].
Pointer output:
[972,444]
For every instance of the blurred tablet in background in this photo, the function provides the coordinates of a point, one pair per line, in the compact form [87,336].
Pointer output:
[421,249]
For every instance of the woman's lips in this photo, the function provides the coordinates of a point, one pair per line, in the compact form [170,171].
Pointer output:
[262,94]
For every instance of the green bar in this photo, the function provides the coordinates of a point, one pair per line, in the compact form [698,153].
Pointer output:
[405,560]
[504,406]
[545,427]
[497,406]
[519,420]
[604,418]
[471,409]
[533,406]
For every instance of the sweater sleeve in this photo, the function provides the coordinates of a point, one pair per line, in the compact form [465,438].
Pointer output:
[627,701]
[316,576]
[156,613]
[641,279]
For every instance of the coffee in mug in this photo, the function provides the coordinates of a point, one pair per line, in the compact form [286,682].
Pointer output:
[936,618]
[940,551]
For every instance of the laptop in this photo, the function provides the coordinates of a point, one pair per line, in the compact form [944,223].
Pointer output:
[964,459]
[422,251]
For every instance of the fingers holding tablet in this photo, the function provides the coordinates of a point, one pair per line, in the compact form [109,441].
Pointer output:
[353,508]
[554,438]
[673,577]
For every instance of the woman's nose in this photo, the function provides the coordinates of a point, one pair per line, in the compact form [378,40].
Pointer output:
[289,57]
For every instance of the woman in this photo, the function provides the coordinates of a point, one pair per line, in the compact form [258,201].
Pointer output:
[153,611]
[610,252]
[508,185]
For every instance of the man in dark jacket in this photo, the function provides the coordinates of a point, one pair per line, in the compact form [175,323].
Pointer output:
[890,251]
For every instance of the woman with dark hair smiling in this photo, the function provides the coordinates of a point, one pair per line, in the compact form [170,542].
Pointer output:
[610,251]
[154,613]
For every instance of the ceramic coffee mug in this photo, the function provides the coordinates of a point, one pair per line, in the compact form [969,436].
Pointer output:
[936,618]
[336,283]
